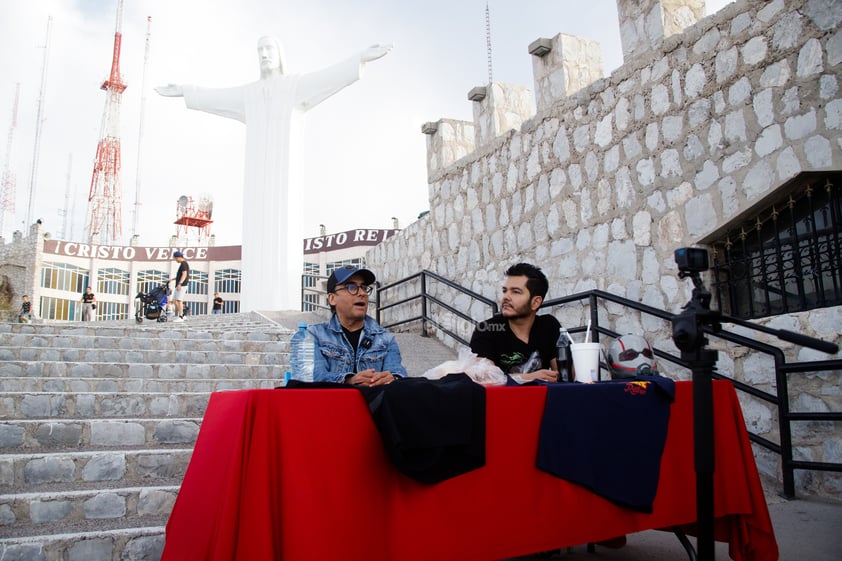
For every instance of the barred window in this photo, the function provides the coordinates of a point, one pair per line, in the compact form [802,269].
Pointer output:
[198,283]
[785,258]
[311,273]
[227,280]
[151,278]
[113,281]
[110,311]
[358,262]
[60,309]
[60,276]
[195,308]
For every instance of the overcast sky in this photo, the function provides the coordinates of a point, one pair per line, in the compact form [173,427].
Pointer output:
[364,153]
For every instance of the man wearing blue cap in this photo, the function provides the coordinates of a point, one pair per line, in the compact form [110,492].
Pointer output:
[182,277]
[352,347]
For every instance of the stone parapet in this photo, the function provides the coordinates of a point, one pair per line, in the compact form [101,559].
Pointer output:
[448,140]
[645,23]
[499,108]
[563,65]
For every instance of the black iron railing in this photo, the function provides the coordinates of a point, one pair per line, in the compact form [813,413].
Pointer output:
[422,299]
[429,307]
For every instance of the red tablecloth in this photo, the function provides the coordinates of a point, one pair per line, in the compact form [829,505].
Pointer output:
[301,475]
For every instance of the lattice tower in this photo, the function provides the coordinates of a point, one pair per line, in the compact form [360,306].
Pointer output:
[137,203]
[9,185]
[488,39]
[39,124]
[105,211]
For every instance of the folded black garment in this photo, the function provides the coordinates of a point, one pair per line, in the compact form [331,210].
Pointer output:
[608,437]
[432,429]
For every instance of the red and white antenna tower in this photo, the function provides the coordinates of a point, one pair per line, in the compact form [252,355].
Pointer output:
[8,187]
[105,211]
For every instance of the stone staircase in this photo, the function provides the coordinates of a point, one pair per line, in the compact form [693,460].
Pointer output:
[98,422]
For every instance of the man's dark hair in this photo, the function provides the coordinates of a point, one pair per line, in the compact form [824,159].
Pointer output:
[536,281]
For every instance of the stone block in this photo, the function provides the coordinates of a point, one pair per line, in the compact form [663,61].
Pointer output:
[49,469]
[105,467]
[144,548]
[98,549]
[43,512]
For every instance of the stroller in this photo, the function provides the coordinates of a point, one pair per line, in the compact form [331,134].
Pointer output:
[152,305]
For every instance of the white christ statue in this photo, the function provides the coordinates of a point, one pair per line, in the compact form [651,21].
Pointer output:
[272,109]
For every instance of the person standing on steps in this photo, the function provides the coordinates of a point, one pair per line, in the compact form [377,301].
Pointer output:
[88,304]
[182,277]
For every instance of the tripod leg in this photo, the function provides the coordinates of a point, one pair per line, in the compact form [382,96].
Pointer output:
[682,537]
[703,362]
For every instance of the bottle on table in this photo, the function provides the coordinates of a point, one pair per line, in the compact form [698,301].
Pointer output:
[302,350]
[564,357]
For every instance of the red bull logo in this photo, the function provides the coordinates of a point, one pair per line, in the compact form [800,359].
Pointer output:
[636,387]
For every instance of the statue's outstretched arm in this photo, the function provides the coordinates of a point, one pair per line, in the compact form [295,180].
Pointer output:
[375,51]
[170,90]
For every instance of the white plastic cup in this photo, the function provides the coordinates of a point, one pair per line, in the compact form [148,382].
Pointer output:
[586,361]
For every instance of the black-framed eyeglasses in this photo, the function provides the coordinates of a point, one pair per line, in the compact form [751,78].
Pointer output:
[353,289]
[631,354]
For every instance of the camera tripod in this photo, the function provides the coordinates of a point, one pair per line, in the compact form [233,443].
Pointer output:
[688,333]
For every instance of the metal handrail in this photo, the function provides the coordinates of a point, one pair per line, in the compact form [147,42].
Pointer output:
[425,299]
[782,368]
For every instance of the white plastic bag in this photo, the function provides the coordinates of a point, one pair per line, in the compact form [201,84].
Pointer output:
[481,370]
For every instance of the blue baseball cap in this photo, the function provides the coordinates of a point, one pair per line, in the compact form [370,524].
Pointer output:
[342,274]
[177,254]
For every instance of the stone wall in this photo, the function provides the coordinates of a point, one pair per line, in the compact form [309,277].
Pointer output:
[18,271]
[604,183]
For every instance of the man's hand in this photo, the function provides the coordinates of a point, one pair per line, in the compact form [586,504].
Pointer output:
[170,90]
[545,375]
[370,378]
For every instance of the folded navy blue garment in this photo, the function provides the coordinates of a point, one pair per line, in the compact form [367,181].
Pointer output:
[608,437]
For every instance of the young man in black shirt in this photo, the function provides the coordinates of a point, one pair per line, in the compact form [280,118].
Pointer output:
[518,340]
[182,277]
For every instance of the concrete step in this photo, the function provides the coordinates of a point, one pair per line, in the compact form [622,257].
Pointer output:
[185,330]
[141,385]
[68,405]
[91,469]
[29,510]
[17,369]
[49,435]
[90,541]
[58,354]
[13,341]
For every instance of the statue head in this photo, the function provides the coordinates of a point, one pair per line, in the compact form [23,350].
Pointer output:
[270,53]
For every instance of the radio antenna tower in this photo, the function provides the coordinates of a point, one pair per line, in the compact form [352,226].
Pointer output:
[7,188]
[39,120]
[488,38]
[137,203]
[105,211]
[68,192]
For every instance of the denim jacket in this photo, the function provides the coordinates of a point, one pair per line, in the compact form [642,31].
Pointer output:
[335,355]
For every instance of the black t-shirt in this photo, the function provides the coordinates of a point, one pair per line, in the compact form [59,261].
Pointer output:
[217,303]
[183,267]
[87,298]
[494,339]
[26,307]
[353,338]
